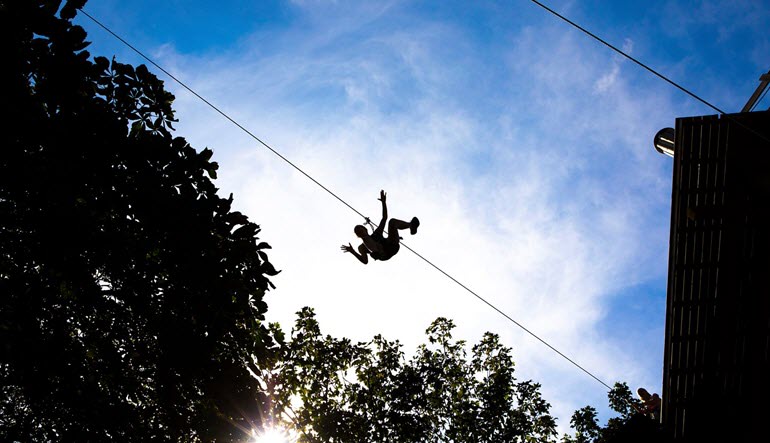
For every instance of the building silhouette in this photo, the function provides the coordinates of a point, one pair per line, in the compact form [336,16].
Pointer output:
[717,344]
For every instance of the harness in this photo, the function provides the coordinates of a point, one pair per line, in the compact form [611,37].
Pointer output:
[389,249]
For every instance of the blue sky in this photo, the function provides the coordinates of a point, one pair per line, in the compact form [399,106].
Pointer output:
[524,147]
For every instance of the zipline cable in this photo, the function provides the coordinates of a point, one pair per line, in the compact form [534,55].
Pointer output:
[508,317]
[654,72]
[621,52]
[141,54]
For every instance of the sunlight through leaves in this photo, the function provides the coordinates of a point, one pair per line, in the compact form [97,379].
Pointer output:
[272,435]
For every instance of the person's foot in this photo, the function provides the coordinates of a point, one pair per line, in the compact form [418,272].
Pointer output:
[413,225]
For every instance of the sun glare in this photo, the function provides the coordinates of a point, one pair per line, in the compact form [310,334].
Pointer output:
[271,435]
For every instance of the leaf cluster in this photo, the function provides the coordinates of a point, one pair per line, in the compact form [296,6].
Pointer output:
[131,294]
[628,427]
[333,390]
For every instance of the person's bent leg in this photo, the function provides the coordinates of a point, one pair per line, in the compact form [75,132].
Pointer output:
[396,225]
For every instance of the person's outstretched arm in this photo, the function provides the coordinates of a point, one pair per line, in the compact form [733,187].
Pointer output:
[362,256]
[384,211]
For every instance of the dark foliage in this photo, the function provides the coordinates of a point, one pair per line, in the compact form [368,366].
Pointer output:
[130,294]
[628,427]
[332,390]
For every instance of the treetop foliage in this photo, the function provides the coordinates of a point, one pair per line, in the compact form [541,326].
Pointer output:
[333,390]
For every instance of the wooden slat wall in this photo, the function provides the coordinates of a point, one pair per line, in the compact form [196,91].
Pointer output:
[717,324]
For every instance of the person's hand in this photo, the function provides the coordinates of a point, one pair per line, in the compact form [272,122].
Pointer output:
[347,248]
[382,196]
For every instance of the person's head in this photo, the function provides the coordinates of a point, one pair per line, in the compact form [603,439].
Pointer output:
[643,394]
[360,231]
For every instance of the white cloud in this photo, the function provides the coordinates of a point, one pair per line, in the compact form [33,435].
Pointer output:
[607,80]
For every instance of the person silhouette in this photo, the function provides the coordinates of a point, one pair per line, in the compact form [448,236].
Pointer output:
[376,245]
[650,403]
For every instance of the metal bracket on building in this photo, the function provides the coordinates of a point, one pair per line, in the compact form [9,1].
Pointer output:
[764,79]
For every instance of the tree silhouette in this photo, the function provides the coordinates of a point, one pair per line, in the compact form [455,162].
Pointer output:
[131,295]
[332,390]
[628,427]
